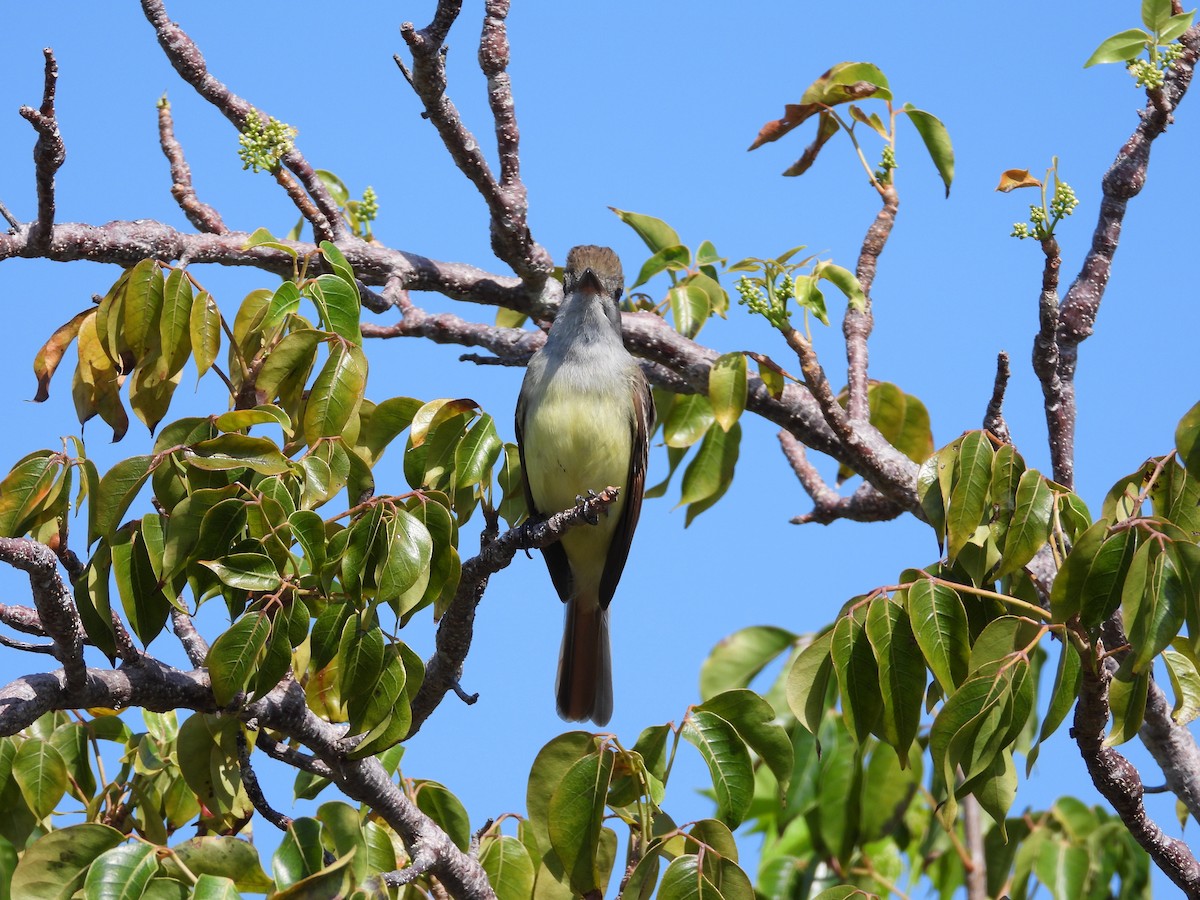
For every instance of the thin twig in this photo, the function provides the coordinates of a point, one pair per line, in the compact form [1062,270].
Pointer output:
[993,419]
[443,670]
[865,505]
[48,153]
[506,198]
[1079,307]
[857,324]
[189,62]
[254,789]
[26,646]
[193,642]
[200,214]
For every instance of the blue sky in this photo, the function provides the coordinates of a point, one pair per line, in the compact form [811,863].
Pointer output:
[649,107]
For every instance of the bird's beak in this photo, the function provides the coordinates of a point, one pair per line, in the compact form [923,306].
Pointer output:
[589,282]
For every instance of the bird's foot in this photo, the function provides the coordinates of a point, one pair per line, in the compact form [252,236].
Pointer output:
[590,516]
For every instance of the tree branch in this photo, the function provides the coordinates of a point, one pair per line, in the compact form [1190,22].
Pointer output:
[48,153]
[1076,314]
[1173,748]
[506,198]
[193,643]
[188,61]
[857,324]
[55,606]
[866,504]
[456,628]
[161,688]
[993,419]
[254,789]
[1117,779]
[200,214]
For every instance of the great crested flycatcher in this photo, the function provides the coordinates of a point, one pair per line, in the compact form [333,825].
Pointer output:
[584,419]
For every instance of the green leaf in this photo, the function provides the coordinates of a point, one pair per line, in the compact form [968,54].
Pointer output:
[238,451]
[1030,526]
[549,768]
[41,773]
[576,815]
[1062,698]
[727,388]
[204,328]
[122,872]
[857,674]
[657,234]
[728,763]
[446,810]
[477,453]
[336,393]
[1062,868]
[264,414]
[337,261]
[689,419]
[675,258]
[142,596]
[736,659]
[383,711]
[846,282]
[215,887]
[1120,47]
[224,857]
[710,472]
[55,865]
[755,722]
[937,142]
[23,488]
[174,323]
[117,489]
[1184,672]
[339,305]
[839,801]
[690,308]
[1155,14]
[335,880]
[292,358]
[1127,703]
[939,622]
[245,571]
[299,853]
[142,307]
[809,297]
[889,790]
[684,880]
[1153,604]
[969,496]
[808,682]
[901,673]
[232,658]
[408,557]
[509,869]
[1175,26]
[207,755]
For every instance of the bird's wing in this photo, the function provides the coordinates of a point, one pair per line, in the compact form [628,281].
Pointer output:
[635,484]
[554,554]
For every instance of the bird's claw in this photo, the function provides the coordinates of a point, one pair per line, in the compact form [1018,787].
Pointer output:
[590,516]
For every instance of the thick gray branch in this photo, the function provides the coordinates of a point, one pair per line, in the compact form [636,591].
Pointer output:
[55,605]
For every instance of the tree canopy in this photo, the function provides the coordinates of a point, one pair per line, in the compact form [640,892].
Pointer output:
[312,566]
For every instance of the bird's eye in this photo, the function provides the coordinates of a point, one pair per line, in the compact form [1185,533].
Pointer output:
[617,294]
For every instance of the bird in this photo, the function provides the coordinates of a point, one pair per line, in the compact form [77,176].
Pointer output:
[583,423]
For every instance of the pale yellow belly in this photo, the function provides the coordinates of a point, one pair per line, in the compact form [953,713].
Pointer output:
[573,445]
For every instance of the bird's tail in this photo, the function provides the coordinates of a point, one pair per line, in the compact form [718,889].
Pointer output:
[584,686]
